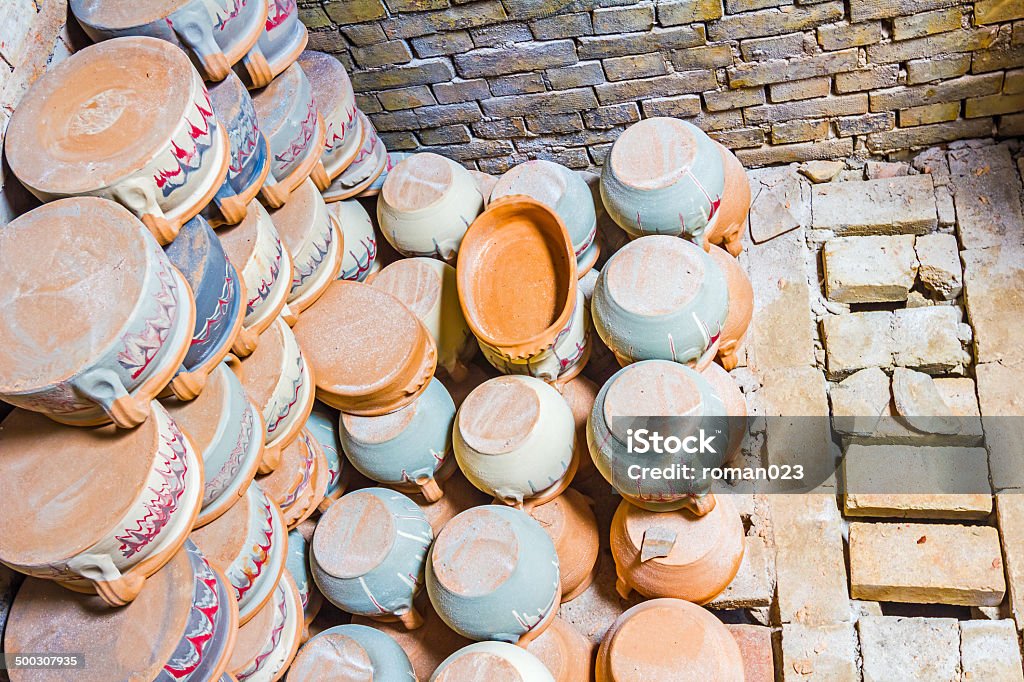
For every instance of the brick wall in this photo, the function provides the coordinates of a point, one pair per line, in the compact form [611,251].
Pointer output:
[494,82]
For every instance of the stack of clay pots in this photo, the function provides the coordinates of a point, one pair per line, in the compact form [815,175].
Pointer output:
[236,416]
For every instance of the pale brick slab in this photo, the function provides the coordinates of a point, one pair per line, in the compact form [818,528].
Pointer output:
[989,651]
[931,339]
[939,267]
[869,269]
[755,642]
[810,569]
[1002,406]
[857,340]
[903,205]
[821,653]
[926,563]
[994,295]
[894,648]
[987,197]
[798,392]
[916,482]
[1010,517]
[752,586]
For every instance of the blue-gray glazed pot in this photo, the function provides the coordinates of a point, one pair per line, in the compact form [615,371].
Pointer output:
[350,648]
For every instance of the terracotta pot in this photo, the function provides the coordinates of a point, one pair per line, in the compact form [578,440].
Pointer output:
[677,554]
[485,661]
[426,205]
[283,39]
[478,373]
[394,158]
[519,245]
[323,427]
[248,545]
[492,573]
[250,153]
[409,449]
[564,192]
[566,653]
[228,430]
[661,298]
[214,33]
[279,381]
[570,523]
[219,299]
[485,183]
[359,260]
[514,438]
[626,403]
[97,509]
[254,247]
[336,101]
[732,219]
[368,553]
[668,634]
[580,394]
[111,327]
[289,118]
[367,166]
[358,375]
[459,495]
[428,288]
[297,564]
[315,241]
[299,483]
[735,407]
[137,127]
[351,653]
[267,644]
[426,646]
[663,176]
[187,603]
[741,306]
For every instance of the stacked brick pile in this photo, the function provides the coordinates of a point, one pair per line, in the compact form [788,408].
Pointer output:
[492,83]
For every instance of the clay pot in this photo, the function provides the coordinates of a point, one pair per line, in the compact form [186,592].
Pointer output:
[488,661]
[110,328]
[564,192]
[566,653]
[315,241]
[299,483]
[136,126]
[97,509]
[735,407]
[394,158]
[187,604]
[459,495]
[684,404]
[297,564]
[368,553]
[580,394]
[215,34]
[661,298]
[426,205]
[228,430]
[409,449]
[676,554]
[248,545]
[520,245]
[485,183]
[668,634]
[741,306]
[732,216]
[336,101]
[492,573]
[570,522]
[514,438]
[356,373]
[351,653]
[283,39]
[279,382]
[219,299]
[254,247]
[267,644]
[367,166]
[289,118]
[428,288]
[323,426]
[250,153]
[426,646]
[359,260]
[663,176]
[478,373]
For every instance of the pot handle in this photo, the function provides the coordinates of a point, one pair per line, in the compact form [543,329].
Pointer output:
[257,67]
[104,387]
[138,196]
[193,26]
[113,587]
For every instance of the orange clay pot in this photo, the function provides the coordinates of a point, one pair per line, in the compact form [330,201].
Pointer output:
[741,306]
[570,523]
[565,652]
[299,483]
[732,214]
[581,393]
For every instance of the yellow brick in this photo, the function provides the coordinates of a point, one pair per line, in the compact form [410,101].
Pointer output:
[995,11]
[994,104]
[929,113]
